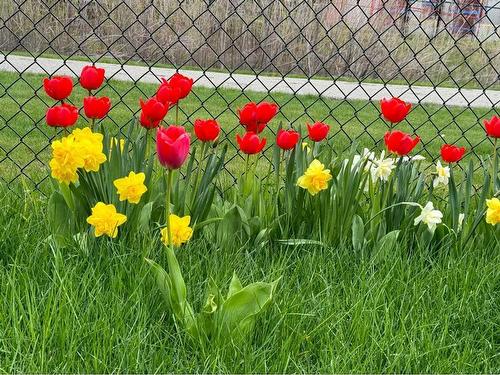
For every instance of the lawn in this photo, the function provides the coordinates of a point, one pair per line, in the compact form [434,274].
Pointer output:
[24,137]
[96,308]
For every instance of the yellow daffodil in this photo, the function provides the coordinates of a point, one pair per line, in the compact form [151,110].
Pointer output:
[181,231]
[315,178]
[90,148]
[66,159]
[131,187]
[493,211]
[105,220]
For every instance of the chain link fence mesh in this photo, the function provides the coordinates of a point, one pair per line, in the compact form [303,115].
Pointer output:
[307,56]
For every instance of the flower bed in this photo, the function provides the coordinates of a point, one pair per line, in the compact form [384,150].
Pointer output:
[105,186]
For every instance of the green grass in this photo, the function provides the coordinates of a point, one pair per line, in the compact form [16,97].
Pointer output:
[24,136]
[97,309]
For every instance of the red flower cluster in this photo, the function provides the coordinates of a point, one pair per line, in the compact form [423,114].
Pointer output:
[255,117]
[64,114]
[451,153]
[169,93]
[59,88]
[394,110]
[176,88]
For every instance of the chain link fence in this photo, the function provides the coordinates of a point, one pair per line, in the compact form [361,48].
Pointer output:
[319,60]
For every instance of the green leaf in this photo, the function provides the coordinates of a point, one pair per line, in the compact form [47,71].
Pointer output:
[301,241]
[239,311]
[384,247]
[59,217]
[145,216]
[235,285]
[162,280]
[358,233]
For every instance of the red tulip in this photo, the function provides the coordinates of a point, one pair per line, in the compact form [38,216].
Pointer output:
[287,139]
[400,143]
[318,131]
[91,78]
[182,83]
[153,111]
[63,115]
[493,127]
[394,110]
[206,130]
[58,88]
[451,153]
[172,146]
[168,93]
[96,108]
[250,143]
[254,117]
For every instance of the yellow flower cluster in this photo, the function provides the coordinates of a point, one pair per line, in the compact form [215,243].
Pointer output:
[493,211]
[131,187]
[105,220]
[315,178]
[181,231]
[81,149]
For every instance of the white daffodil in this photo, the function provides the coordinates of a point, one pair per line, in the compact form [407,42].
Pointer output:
[461,218]
[442,175]
[367,156]
[414,158]
[429,216]
[306,147]
[382,168]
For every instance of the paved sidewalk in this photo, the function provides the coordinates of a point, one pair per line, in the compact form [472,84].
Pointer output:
[300,86]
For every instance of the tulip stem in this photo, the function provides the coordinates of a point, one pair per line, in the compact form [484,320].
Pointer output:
[197,176]
[177,114]
[147,144]
[494,176]
[169,177]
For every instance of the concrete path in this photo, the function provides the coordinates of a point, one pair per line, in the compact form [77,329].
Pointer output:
[299,86]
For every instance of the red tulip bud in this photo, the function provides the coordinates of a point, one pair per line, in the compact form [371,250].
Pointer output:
[451,153]
[63,115]
[400,143]
[91,78]
[96,108]
[492,127]
[287,139]
[206,130]
[318,131]
[58,88]
[394,110]
[153,111]
[250,143]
